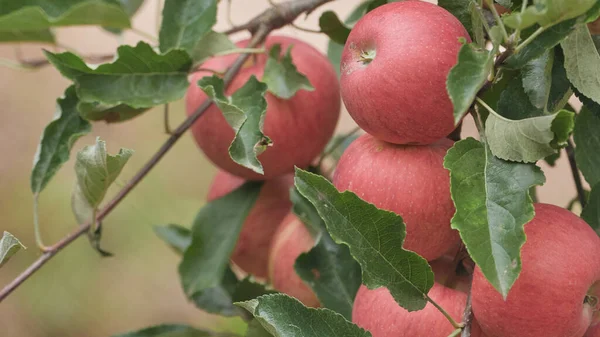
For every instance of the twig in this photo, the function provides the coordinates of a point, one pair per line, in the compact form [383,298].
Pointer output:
[575,171]
[264,24]
[467,317]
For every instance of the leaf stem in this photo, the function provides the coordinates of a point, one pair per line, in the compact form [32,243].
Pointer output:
[498,20]
[444,312]
[477,117]
[455,332]
[575,172]
[241,51]
[529,39]
[336,145]
[144,34]
[518,30]
[166,123]
[308,30]
[36,224]
[14,65]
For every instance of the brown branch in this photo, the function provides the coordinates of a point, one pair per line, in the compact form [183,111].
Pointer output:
[467,317]
[260,27]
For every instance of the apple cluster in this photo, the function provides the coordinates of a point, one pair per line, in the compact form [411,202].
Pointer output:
[393,83]
[272,237]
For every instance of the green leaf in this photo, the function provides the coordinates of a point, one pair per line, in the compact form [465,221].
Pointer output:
[214,234]
[547,13]
[211,44]
[42,35]
[328,268]
[219,300]
[284,316]
[281,76]
[177,237]
[492,206]
[546,40]
[467,77]
[255,329]
[168,330]
[462,10]
[332,273]
[111,114]
[582,62]
[332,26]
[560,88]
[551,159]
[96,170]
[39,15]
[514,102]
[375,239]
[9,246]
[57,140]
[587,139]
[185,22]
[245,112]
[139,77]
[591,212]
[537,79]
[130,7]
[528,140]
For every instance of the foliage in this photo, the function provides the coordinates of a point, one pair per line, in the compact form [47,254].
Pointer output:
[516,90]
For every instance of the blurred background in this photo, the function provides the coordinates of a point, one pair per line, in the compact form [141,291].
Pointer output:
[78,293]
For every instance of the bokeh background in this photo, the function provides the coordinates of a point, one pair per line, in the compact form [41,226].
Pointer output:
[78,293]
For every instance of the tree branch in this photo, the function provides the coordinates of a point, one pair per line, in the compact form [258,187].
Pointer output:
[575,171]
[467,317]
[260,27]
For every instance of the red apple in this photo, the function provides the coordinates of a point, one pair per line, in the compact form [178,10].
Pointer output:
[394,68]
[408,180]
[299,127]
[377,312]
[291,240]
[556,294]
[445,273]
[593,331]
[251,252]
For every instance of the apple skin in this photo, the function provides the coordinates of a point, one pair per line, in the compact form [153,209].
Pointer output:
[560,265]
[377,312]
[400,96]
[251,252]
[291,240]
[299,127]
[444,271]
[593,331]
[408,180]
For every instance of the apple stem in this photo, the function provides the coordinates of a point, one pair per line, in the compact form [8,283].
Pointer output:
[445,313]
[498,20]
[455,333]
[367,57]
[529,39]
